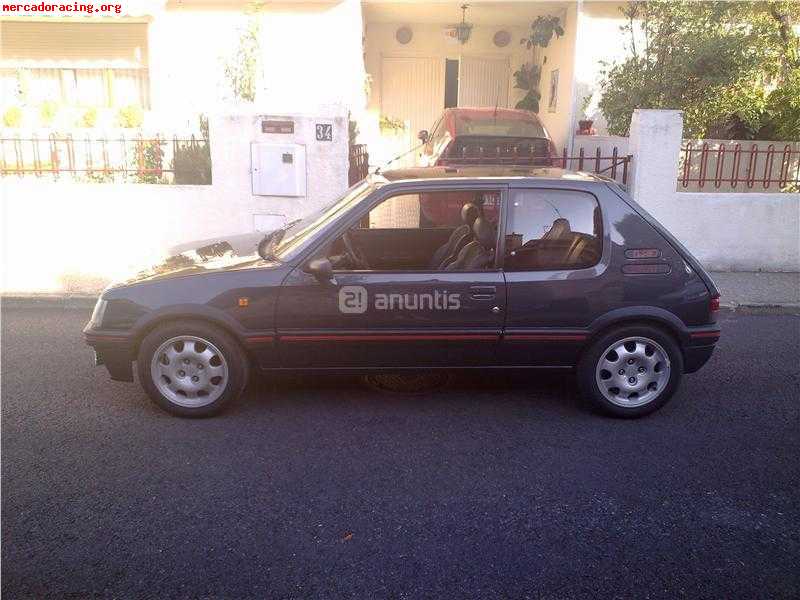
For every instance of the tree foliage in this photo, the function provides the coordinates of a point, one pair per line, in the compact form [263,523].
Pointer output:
[242,68]
[732,67]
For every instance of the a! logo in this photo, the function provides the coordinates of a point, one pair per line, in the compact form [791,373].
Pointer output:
[353,299]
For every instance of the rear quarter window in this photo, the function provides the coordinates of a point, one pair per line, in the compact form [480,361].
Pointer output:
[552,230]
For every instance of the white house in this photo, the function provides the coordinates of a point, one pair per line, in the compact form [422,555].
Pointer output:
[394,62]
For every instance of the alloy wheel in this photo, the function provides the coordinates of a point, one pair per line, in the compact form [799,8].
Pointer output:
[189,371]
[633,372]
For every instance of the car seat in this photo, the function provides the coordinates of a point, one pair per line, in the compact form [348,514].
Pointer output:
[462,235]
[559,229]
[479,253]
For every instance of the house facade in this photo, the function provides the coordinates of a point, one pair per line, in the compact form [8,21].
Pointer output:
[394,66]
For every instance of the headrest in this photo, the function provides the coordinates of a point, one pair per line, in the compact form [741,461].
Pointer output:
[485,233]
[559,228]
[470,212]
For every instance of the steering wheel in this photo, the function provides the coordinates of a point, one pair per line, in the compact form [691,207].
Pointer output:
[355,255]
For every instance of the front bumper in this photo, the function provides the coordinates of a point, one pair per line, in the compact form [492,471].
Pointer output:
[114,350]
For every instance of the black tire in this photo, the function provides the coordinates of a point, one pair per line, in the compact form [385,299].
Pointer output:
[234,357]
[588,370]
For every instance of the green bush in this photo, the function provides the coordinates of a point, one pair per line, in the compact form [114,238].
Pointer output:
[782,111]
[152,159]
[13,117]
[48,112]
[192,164]
[716,61]
[89,118]
[131,116]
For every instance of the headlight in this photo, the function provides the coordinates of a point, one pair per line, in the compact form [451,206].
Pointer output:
[98,313]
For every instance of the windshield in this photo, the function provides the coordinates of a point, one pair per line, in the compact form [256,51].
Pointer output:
[501,127]
[301,231]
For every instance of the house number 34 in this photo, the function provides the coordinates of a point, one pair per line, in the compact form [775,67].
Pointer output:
[324,132]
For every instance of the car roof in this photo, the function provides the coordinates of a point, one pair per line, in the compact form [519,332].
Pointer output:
[487,172]
[490,112]
[450,116]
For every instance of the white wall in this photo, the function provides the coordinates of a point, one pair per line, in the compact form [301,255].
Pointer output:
[326,162]
[560,55]
[735,232]
[311,55]
[606,143]
[64,237]
[76,237]
[725,231]
[600,44]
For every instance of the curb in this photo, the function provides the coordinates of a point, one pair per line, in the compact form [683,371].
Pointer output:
[754,308]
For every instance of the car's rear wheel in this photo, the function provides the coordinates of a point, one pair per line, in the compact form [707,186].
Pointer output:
[191,369]
[631,371]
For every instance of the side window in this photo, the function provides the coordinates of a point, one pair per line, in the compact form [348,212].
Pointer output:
[552,230]
[398,212]
[423,231]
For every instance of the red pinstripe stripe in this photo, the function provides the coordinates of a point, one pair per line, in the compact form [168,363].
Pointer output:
[260,338]
[546,337]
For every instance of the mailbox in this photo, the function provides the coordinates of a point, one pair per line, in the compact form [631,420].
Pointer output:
[278,169]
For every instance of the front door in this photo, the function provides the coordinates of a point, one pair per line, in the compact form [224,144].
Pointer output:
[399,311]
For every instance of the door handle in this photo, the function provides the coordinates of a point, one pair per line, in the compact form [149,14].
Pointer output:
[483,292]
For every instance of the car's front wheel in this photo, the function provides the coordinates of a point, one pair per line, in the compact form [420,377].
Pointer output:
[191,368]
[631,371]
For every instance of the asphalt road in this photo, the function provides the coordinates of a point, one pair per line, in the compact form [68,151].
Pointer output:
[500,486]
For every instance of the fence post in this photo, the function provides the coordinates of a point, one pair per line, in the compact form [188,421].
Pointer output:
[655,143]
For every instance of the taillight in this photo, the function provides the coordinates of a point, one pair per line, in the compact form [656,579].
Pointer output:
[713,307]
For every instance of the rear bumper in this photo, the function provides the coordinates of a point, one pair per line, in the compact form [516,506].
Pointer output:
[694,357]
[114,351]
[700,347]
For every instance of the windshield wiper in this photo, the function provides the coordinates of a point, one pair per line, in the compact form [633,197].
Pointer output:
[272,239]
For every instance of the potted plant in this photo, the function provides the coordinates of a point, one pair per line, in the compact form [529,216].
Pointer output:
[585,124]
[529,75]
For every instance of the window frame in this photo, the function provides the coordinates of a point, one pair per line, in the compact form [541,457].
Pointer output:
[387,192]
[602,237]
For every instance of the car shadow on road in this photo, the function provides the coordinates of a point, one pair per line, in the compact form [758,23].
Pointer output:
[544,390]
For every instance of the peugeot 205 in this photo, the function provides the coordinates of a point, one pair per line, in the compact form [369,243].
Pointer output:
[421,269]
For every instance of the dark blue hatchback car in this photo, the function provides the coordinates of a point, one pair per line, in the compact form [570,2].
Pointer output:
[414,270]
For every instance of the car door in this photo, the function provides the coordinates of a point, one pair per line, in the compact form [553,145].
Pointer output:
[553,264]
[387,317]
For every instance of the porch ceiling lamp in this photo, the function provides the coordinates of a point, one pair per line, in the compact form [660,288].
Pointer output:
[463,29]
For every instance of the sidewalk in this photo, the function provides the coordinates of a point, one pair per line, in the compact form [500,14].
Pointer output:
[759,290]
[751,292]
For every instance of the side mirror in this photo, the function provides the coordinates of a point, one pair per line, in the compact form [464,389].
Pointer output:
[423,136]
[321,269]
